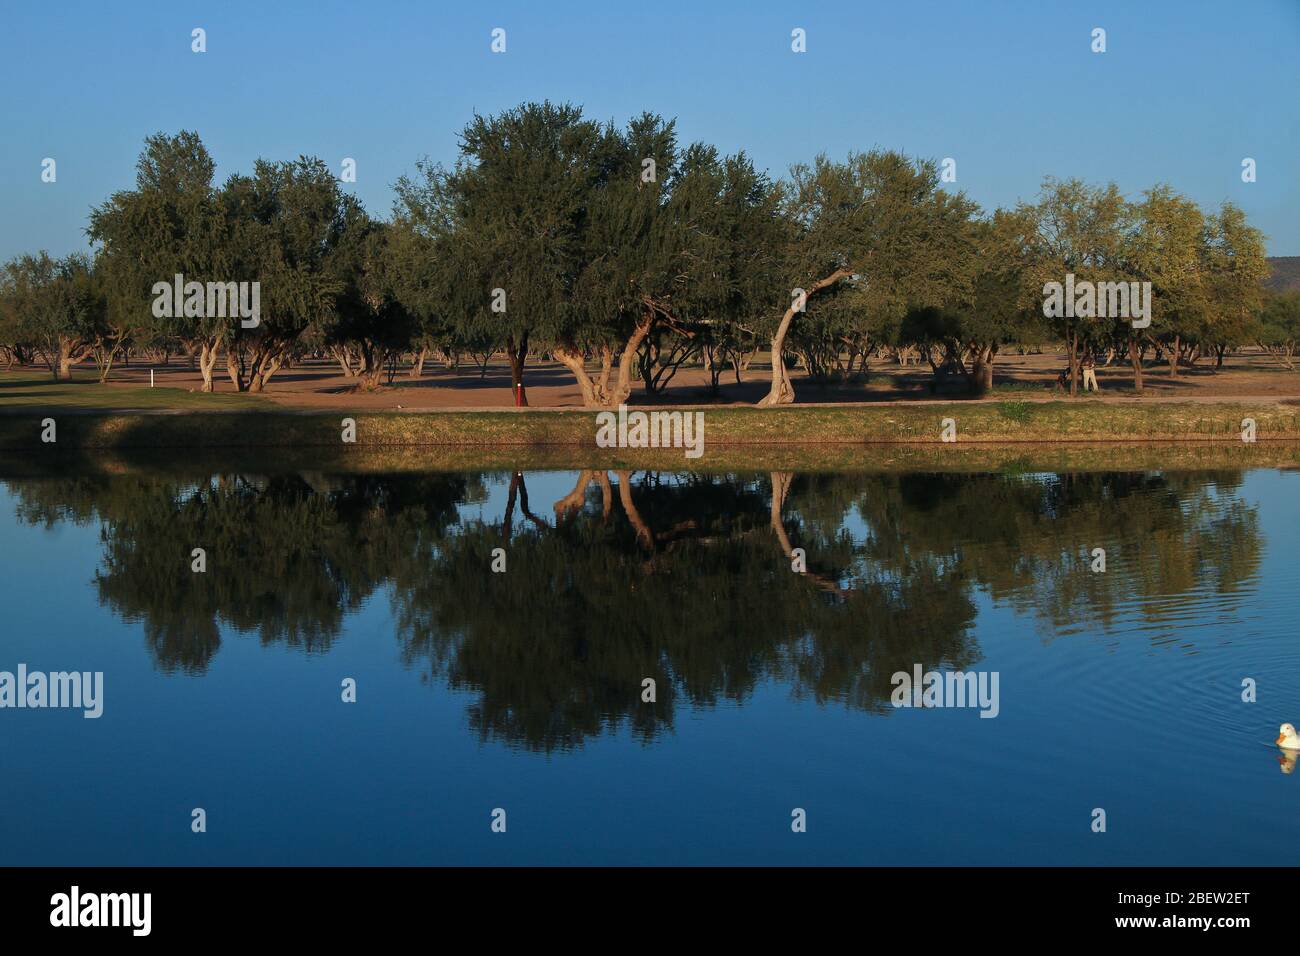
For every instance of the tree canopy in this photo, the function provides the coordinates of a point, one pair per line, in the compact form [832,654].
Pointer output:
[623,254]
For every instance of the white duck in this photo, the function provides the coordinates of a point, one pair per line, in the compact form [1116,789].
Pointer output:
[1286,738]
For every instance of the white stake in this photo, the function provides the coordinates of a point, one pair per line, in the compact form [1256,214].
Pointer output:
[151,378]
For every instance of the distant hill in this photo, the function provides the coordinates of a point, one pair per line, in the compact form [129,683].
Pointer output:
[1284,273]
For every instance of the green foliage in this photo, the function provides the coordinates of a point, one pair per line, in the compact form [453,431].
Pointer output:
[1278,324]
[617,243]
[55,307]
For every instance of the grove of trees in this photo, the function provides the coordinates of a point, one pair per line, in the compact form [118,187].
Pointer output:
[625,255]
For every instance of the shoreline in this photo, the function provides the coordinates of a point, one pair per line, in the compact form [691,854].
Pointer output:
[998,422]
[990,436]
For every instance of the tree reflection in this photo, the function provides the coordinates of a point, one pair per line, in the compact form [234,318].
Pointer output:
[684,578]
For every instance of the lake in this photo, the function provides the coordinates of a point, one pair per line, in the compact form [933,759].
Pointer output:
[499,629]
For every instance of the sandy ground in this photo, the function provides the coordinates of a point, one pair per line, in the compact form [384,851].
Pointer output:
[319,384]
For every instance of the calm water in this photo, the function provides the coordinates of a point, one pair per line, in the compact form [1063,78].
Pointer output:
[522,690]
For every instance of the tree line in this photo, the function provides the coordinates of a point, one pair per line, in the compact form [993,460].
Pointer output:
[625,255]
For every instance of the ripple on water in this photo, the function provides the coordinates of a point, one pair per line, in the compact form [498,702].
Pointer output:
[1171,667]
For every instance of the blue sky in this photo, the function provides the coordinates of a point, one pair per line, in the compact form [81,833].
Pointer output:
[1011,90]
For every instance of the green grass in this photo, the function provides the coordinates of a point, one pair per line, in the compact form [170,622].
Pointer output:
[1016,387]
[1016,411]
[85,392]
[64,460]
[752,428]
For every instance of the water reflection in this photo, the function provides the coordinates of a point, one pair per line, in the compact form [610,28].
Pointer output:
[685,578]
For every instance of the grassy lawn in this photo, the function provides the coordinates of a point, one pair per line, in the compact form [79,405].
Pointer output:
[991,422]
[85,392]
[188,463]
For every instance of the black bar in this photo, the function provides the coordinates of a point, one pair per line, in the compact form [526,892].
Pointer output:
[333,905]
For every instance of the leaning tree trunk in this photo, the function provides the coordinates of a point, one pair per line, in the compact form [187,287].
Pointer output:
[597,393]
[575,362]
[782,391]
[268,365]
[233,368]
[781,481]
[643,533]
[571,503]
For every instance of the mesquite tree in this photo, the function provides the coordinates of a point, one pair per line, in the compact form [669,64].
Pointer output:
[169,225]
[511,213]
[55,306]
[1077,230]
[282,225]
[877,229]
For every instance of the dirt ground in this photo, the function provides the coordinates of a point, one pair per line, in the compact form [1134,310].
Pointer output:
[319,384]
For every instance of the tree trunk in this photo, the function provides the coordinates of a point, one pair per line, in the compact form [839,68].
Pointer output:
[71,352]
[643,532]
[1135,357]
[369,379]
[107,365]
[266,366]
[623,384]
[782,391]
[781,481]
[981,378]
[597,393]
[344,357]
[62,364]
[1173,357]
[233,370]
[207,359]
[606,366]
[571,503]
[574,362]
[1073,342]
[517,356]
[417,366]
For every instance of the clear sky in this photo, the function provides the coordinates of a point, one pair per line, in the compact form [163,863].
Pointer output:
[1011,90]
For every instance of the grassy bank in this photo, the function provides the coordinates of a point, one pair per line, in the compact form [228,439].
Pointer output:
[1006,421]
[989,435]
[874,459]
